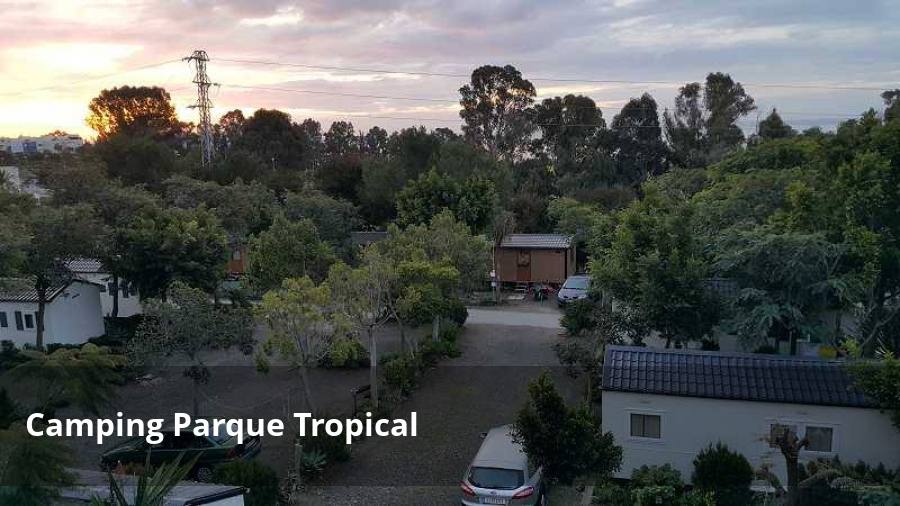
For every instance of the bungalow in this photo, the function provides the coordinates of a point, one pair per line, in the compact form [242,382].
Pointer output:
[665,406]
[535,258]
[72,314]
[93,271]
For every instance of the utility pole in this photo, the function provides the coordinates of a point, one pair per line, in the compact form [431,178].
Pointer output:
[199,57]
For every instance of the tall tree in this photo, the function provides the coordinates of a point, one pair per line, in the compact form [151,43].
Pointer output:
[360,296]
[230,128]
[494,106]
[166,245]
[271,136]
[187,324]
[773,127]
[471,201]
[137,160]
[684,127]
[57,236]
[569,127]
[637,145]
[287,250]
[301,328]
[140,111]
[703,127]
[891,104]
[726,102]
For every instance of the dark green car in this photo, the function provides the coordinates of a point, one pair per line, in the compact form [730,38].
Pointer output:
[212,451]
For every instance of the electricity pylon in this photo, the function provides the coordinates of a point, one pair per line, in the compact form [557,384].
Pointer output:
[203,105]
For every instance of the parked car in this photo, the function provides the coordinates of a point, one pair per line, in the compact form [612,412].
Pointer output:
[213,450]
[501,474]
[575,288]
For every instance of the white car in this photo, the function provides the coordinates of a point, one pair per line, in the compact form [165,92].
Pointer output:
[501,474]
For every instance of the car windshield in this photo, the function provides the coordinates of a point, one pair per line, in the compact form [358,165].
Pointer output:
[576,283]
[500,479]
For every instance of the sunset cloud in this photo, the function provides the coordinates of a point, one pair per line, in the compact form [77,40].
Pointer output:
[57,55]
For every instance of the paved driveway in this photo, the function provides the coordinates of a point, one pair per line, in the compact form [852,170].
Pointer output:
[485,387]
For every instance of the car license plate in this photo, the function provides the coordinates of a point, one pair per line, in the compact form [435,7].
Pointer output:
[493,500]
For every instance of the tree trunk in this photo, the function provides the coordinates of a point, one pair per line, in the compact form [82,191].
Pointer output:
[436,328]
[792,337]
[115,294]
[42,306]
[373,367]
[307,391]
[404,347]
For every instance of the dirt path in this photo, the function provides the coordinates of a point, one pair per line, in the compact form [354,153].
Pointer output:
[456,401]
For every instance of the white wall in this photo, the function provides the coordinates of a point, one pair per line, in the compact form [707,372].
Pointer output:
[689,424]
[128,306]
[73,317]
[9,333]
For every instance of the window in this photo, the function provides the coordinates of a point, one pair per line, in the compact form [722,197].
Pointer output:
[778,430]
[112,288]
[3,322]
[124,290]
[18,316]
[236,254]
[102,288]
[645,426]
[29,321]
[819,438]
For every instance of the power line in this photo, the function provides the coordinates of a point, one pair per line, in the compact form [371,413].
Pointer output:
[545,79]
[90,79]
[456,101]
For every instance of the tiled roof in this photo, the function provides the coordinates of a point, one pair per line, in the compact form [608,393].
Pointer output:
[737,376]
[536,241]
[21,290]
[85,265]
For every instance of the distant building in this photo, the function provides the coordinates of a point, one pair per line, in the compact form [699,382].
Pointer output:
[72,314]
[665,406]
[23,181]
[51,143]
[92,270]
[535,258]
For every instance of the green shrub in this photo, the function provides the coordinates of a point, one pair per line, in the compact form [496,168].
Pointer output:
[457,311]
[401,373]
[334,448]
[697,498]
[9,410]
[651,476]
[655,494]
[578,316]
[433,351]
[726,473]
[9,355]
[261,480]
[348,353]
[611,494]
[450,332]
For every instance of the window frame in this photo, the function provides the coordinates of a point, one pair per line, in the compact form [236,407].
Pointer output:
[4,321]
[644,412]
[20,324]
[29,320]
[802,426]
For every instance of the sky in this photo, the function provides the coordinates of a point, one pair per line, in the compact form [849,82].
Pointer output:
[56,55]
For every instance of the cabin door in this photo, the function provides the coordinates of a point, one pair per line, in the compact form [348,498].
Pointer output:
[523,265]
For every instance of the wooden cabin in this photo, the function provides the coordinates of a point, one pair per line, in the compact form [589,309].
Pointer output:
[535,258]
